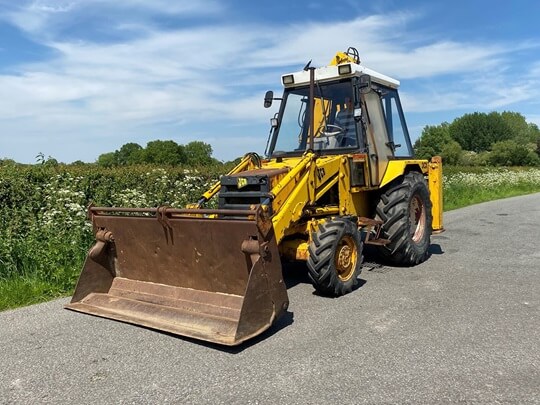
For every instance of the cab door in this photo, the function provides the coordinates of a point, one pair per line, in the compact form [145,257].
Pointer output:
[379,149]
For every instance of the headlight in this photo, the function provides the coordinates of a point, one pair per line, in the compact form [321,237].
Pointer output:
[288,79]
[344,69]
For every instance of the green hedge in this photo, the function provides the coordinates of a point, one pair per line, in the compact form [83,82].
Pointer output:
[44,232]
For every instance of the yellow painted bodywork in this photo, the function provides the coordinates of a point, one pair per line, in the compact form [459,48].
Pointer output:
[320,114]
[341,57]
[435,181]
[305,180]
[397,168]
[433,170]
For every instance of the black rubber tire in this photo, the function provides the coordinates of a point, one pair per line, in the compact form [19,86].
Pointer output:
[409,242]
[330,246]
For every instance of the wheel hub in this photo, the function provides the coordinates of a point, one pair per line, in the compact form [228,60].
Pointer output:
[346,258]
[417,217]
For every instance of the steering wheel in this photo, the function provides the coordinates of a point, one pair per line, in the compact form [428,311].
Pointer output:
[332,130]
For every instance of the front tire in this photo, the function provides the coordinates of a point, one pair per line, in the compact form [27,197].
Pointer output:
[335,257]
[405,209]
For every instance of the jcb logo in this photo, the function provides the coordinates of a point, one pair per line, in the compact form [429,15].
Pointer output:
[241,182]
[320,173]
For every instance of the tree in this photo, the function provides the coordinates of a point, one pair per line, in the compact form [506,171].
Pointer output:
[130,153]
[198,153]
[7,162]
[512,153]
[518,126]
[51,162]
[107,159]
[432,141]
[451,153]
[534,132]
[535,135]
[478,131]
[164,152]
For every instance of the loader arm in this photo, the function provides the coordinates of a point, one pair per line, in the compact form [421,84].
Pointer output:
[303,186]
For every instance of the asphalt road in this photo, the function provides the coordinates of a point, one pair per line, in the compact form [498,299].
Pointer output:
[464,327]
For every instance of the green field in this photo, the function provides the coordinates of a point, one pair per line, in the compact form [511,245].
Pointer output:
[44,233]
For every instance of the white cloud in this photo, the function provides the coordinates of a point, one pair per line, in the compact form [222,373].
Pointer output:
[45,18]
[51,7]
[184,8]
[496,88]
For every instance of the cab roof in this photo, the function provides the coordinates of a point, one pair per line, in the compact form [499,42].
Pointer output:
[332,72]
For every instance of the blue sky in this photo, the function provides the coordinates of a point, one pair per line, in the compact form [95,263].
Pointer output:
[83,77]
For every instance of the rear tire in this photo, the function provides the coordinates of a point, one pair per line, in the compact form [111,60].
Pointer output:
[335,257]
[405,209]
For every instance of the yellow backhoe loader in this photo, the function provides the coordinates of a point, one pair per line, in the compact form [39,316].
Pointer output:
[339,173]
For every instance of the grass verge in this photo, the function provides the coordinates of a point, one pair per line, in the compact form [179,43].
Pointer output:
[467,186]
[22,291]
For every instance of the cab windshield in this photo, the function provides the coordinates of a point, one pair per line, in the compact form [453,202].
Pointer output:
[335,127]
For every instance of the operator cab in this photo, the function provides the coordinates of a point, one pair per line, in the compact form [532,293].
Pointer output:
[335,126]
[350,104]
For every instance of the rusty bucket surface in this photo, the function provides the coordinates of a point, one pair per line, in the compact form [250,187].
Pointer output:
[218,279]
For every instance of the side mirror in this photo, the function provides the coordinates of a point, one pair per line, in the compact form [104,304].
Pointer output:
[364,84]
[268,98]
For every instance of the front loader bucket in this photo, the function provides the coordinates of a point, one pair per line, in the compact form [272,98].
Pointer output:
[213,275]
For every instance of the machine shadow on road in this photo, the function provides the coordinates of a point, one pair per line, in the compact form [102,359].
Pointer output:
[295,273]
[435,249]
[374,261]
